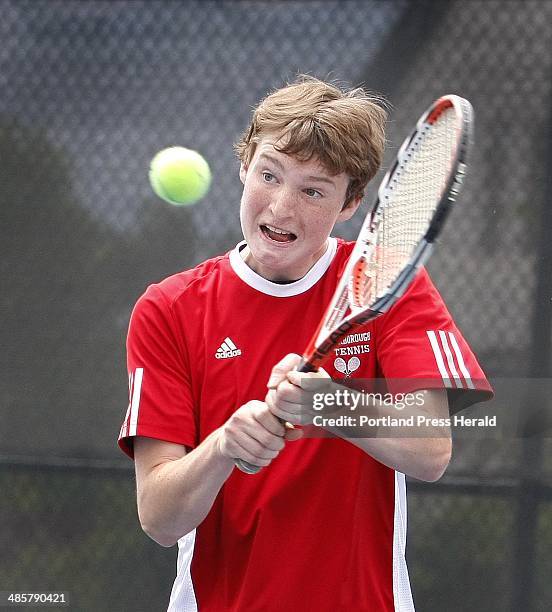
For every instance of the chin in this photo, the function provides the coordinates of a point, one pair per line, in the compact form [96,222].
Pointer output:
[272,266]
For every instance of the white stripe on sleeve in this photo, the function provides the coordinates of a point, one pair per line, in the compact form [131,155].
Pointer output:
[460,360]
[439,358]
[124,426]
[450,360]
[135,403]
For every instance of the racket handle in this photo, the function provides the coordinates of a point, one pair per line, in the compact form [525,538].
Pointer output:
[306,366]
[246,467]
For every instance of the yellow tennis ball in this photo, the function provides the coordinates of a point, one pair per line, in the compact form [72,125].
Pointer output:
[180,176]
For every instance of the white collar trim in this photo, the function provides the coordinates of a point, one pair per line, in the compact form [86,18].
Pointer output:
[263,285]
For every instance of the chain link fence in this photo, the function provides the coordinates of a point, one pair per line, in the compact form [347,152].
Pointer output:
[91,90]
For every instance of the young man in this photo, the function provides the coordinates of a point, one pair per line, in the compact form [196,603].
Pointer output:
[211,354]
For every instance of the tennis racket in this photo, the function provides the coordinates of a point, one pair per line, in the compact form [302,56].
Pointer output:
[398,233]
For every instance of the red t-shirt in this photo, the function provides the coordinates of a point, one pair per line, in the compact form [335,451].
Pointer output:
[324,526]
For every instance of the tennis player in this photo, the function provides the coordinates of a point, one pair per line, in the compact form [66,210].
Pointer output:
[211,353]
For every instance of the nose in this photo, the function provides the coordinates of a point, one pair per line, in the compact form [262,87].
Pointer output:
[283,204]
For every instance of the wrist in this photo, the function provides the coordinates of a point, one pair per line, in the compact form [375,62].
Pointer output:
[221,453]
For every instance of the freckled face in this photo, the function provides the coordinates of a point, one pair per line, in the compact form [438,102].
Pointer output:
[288,209]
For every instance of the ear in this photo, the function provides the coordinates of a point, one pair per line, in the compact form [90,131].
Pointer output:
[243,172]
[349,209]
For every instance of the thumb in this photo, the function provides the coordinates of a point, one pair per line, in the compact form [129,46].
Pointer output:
[280,370]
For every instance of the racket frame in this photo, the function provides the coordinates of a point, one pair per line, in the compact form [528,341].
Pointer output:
[327,336]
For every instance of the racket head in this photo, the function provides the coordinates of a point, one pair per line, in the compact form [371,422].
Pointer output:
[396,238]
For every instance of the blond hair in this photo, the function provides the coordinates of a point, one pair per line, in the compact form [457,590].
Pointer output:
[344,129]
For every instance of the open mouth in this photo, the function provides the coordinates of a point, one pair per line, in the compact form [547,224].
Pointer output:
[277,235]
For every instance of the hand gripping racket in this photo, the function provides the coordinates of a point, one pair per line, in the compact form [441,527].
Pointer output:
[398,233]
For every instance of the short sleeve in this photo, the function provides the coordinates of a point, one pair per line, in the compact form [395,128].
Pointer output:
[160,394]
[419,346]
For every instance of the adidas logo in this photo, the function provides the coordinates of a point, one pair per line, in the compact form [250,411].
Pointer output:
[227,349]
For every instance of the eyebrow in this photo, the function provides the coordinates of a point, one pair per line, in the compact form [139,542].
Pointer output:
[277,162]
[272,159]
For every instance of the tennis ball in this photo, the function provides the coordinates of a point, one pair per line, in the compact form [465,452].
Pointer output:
[180,176]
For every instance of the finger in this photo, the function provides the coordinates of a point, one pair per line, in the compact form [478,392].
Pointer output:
[255,414]
[291,393]
[299,411]
[270,422]
[280,408]
[295,417]
[260,445]
[309,380]
[247,448]
[256,421]
[279,371]
[293,434]
[283,409]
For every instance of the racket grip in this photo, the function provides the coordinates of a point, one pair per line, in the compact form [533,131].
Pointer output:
[246,467]
[306,366]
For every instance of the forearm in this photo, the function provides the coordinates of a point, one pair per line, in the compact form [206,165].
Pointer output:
[177,494]
[422,458]
[420,451]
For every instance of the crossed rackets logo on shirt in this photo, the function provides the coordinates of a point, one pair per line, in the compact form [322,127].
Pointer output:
[347,367]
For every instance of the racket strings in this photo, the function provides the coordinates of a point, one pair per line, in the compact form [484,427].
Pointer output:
[412,197]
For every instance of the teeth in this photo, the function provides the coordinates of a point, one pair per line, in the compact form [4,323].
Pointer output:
[276,230]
